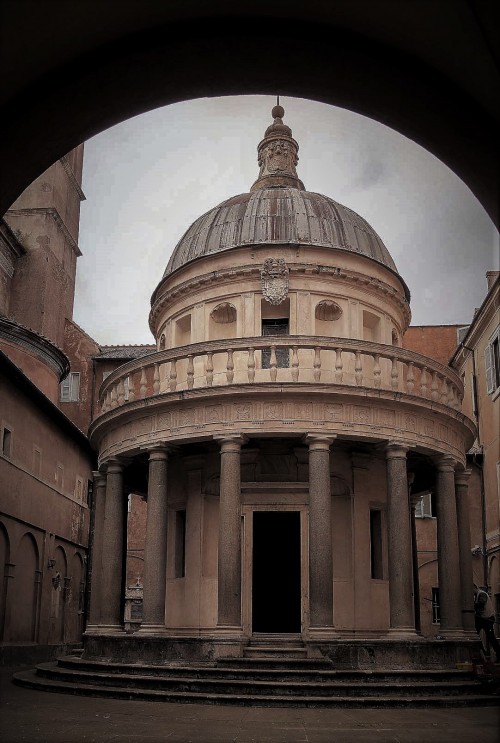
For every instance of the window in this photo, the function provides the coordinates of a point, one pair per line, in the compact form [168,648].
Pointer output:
[435,606]
[426,506]
[180,544]
[6,441]
[371,326]
[492,363]
[280,326]
[70,388]
[377,569]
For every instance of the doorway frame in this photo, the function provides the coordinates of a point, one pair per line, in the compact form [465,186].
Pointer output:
[266,501]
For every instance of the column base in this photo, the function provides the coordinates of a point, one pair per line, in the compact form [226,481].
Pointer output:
[228,630]
[105,629]
[152,630]
[455,633]
[322,633]
[403,633]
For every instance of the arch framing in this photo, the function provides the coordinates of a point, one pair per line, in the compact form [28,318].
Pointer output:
[200,57]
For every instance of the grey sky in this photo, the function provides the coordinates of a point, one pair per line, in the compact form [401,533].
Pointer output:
[147,179]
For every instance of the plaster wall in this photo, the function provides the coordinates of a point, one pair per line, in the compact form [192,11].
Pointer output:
[44,521]
[313,286]
[80,349]
[436,341]
[45,378]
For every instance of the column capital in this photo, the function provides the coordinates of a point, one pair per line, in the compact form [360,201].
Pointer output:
[114,466]
[159,453]
[444,463]
[462,477]
[231,442]
[99,479]
[319,441]
[414,498]
[395,449]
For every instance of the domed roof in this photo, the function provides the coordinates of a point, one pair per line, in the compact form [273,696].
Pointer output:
[270,216]
[278,210]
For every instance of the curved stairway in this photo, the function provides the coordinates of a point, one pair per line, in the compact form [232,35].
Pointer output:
[260,681]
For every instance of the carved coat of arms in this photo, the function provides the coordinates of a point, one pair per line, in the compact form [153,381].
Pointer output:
[274,277]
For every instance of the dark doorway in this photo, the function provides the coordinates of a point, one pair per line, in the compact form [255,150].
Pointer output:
[276,572]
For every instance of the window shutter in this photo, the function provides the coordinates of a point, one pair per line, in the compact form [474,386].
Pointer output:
[488,362]
[75,386]
[65,389]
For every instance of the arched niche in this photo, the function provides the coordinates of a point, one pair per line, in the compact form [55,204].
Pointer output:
[25,591]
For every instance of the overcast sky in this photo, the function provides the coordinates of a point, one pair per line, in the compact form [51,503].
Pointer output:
[147,179]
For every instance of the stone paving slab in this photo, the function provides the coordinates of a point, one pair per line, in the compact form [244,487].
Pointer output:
[28,716]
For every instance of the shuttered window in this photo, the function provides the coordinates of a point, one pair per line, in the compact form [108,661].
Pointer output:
[492,363]
[70,388]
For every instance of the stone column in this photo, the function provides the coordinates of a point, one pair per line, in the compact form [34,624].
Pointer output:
[320,532]
[112,549]
[399,543]
[450,601]
[414,499]
[99,495]
[464,549]
[229,563]
[155,553]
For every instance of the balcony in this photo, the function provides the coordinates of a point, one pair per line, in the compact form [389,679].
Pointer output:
[335,362]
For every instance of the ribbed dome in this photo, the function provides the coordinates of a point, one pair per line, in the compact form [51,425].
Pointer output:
[270,216]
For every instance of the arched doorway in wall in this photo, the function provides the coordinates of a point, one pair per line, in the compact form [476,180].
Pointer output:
[58,596]
[25,591]
[4,563]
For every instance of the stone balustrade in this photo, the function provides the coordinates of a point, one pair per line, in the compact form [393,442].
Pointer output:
[259,360]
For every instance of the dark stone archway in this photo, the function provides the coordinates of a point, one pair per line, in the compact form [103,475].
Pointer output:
[74,71]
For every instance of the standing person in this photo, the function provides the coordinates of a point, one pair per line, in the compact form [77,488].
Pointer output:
[484,617]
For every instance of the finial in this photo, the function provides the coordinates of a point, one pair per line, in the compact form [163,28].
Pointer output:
[278,155]
[278,111]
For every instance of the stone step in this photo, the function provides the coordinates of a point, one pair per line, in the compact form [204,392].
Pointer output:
[32,680]
[176,681]
[309,669]
[282,652]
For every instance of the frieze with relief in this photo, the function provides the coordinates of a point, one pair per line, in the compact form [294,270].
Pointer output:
[243,412]
[214,413]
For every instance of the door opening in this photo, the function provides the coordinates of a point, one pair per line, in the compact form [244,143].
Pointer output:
[276,584]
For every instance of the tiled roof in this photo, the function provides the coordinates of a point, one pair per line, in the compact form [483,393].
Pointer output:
[125,352]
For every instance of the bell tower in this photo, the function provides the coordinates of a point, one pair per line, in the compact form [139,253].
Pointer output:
[45,221]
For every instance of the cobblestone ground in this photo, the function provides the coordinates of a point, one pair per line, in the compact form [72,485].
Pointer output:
[42,717]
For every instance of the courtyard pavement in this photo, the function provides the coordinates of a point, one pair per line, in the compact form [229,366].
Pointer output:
[43,717]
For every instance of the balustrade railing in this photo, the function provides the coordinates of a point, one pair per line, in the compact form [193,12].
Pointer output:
[335,361]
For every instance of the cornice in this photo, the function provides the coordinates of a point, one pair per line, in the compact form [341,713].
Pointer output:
[480,321]
[13,248]
[51,212]
[36,345]
[74,181]
[252,271]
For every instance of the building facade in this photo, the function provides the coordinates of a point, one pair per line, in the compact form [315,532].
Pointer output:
[283,437]
[46,462]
